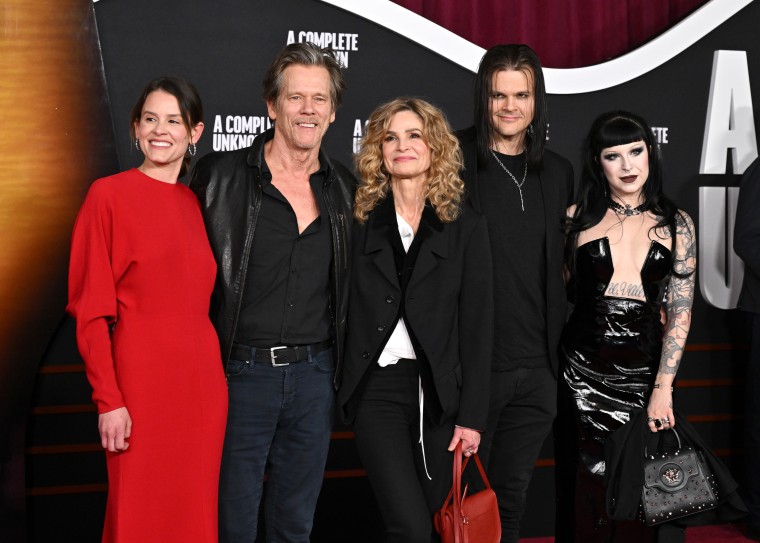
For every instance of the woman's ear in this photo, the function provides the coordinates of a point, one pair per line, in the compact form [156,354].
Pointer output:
[195,133]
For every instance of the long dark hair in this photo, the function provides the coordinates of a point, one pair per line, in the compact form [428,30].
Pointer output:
[609,130]
[190,106]
[515,57]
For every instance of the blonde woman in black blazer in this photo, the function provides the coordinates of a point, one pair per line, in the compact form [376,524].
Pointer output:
[417,359]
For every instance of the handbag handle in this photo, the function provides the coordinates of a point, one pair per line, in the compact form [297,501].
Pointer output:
[678,438]
[456,488]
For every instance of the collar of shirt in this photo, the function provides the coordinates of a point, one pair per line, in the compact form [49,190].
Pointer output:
[266,173]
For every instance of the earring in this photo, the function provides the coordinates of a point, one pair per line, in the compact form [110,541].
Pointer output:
[192,149]
[530,130]
[137,144]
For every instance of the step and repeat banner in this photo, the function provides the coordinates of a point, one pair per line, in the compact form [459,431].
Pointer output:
[693,84]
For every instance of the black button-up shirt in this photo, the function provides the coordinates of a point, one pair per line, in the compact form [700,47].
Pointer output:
[286,298]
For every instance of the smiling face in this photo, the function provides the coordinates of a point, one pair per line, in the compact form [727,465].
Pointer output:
[304,110]
[162,133]
[406,154]
[626,168]
[511,107]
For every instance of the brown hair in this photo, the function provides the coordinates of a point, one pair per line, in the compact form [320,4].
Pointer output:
[304,54]
[190,106]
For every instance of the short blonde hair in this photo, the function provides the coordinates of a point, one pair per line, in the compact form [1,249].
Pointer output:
[445,188]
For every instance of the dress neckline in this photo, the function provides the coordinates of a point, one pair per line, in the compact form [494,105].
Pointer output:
[605,240]
[142,175]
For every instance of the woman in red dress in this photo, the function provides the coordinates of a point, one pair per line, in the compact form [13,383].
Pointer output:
[140,281]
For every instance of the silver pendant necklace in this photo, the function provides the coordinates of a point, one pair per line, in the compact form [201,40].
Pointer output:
[518,183]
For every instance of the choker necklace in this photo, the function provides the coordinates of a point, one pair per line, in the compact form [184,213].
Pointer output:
[628,211]
[518,183]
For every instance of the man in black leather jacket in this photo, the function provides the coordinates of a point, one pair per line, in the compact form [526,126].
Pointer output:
[277,216]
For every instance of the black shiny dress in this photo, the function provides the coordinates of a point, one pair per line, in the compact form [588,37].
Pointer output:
[612,349]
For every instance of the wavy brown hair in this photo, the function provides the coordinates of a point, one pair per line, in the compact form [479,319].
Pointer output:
[445,189]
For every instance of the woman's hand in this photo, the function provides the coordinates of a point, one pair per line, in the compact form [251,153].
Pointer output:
[115,427]
[470,440]
[660,409]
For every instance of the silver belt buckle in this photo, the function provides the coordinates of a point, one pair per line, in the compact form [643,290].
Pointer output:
[274,357]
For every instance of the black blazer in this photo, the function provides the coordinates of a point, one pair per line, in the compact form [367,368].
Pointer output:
[556,177]
[747,237]
[449,307]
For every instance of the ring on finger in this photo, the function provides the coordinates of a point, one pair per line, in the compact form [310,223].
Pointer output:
[657,423]
[650,419]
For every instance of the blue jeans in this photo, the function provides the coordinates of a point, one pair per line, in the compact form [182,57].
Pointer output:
[279,419]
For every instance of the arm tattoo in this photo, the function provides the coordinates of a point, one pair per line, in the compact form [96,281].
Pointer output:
[680,296]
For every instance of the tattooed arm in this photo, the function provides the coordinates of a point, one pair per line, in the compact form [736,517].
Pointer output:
[678,313]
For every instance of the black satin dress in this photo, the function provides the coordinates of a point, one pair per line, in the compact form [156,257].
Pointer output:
[612,349]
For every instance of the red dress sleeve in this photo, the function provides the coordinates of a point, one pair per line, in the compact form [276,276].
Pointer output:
[92,295]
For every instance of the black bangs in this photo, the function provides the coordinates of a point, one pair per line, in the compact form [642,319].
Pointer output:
[619,131]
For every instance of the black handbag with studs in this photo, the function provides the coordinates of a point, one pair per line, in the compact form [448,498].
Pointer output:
[676,484]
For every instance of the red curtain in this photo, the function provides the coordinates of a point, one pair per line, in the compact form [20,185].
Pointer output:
[564,33]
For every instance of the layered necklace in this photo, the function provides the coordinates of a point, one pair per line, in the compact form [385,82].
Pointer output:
[626,211]
[518,183]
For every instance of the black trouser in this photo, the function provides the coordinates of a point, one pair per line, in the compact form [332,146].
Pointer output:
[387,437]
[752,424]
[522,406]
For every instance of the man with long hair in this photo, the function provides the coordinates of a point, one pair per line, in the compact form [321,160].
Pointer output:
[523,189]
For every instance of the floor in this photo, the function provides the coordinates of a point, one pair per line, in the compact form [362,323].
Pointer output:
[724,533]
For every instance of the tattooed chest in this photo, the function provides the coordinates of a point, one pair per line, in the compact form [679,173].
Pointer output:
[623,289]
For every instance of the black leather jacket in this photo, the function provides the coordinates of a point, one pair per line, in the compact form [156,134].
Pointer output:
[228,185]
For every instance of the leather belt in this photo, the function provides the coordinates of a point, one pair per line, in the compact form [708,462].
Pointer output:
[278,356]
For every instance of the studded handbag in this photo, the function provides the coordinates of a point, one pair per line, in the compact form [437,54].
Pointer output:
[676,484]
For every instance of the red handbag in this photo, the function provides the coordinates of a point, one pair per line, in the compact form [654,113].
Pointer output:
[468,519]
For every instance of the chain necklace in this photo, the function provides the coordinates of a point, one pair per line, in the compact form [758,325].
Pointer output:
[627,211]
[518,183]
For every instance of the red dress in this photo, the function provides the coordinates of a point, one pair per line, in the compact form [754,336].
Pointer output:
[141,262]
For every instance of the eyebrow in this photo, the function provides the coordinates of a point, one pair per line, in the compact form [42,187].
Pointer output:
[521,91]
[154,113]
[408,130]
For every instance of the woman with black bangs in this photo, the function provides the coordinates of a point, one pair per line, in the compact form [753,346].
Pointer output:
[630,254]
